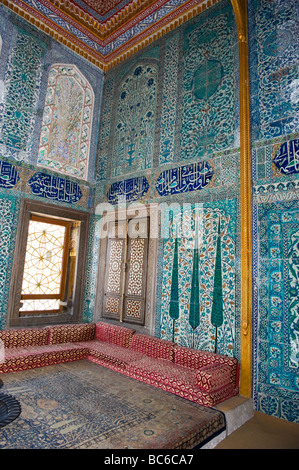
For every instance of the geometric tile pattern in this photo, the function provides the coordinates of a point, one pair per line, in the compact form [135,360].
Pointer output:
[278,307]
[105,37]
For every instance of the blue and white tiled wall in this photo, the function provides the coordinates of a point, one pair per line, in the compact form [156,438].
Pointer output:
[274,42]
[169,133]
[191,146]
[27,56]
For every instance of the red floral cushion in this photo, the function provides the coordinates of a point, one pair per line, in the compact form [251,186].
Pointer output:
[31,357]
[214,377]
[31,350]
[177,379]
[196,359]
[71,333]
[153,347]
[24,337]
[163,371]
[115,334]
[111,353]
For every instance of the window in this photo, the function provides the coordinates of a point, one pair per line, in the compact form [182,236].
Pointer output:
[48,273]
[127,266]
[125,278]
[45,268]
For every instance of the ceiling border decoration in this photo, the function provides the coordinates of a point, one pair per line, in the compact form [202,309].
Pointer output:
[81,38]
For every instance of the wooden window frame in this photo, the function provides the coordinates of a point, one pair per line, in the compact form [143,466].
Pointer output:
[66,244]
[122,214]
[124,296]
[73,314]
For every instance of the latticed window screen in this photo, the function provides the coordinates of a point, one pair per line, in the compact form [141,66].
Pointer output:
[126,267]
[45,265]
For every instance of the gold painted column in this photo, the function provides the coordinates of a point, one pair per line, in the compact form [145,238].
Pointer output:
[240,10]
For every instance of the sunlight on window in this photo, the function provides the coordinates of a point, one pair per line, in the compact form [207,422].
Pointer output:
[43,266]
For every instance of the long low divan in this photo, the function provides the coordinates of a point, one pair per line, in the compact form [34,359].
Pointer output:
[203,377]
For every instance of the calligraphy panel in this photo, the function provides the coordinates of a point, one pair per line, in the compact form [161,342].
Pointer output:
[55,188]
[184,179]
[8,175]
[131,189]
[287,157]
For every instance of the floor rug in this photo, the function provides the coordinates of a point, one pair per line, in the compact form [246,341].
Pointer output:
[82,405]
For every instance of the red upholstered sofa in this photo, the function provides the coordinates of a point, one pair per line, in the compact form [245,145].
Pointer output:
[203,377]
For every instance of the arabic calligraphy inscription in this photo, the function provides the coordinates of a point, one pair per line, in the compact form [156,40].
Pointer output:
[132,189]
[55,188]
[8,175]
[287,157]
[185,178]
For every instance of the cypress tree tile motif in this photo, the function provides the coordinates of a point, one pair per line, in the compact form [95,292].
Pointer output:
[194,315]
[217,307]
[205,277]
[174,307]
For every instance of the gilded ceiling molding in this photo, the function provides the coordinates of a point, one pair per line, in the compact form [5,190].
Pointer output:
[169,22]
[240,10]
[135,10]
[151,34]
[57,33]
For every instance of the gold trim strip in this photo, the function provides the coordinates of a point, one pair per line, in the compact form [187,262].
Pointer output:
[240,10]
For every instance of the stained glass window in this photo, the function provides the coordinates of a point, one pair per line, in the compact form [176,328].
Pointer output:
[126,265]
[45,265]
[67,120]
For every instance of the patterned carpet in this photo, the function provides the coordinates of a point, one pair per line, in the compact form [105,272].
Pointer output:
[81,405]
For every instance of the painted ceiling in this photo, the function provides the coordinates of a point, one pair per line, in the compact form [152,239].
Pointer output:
[107,31]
